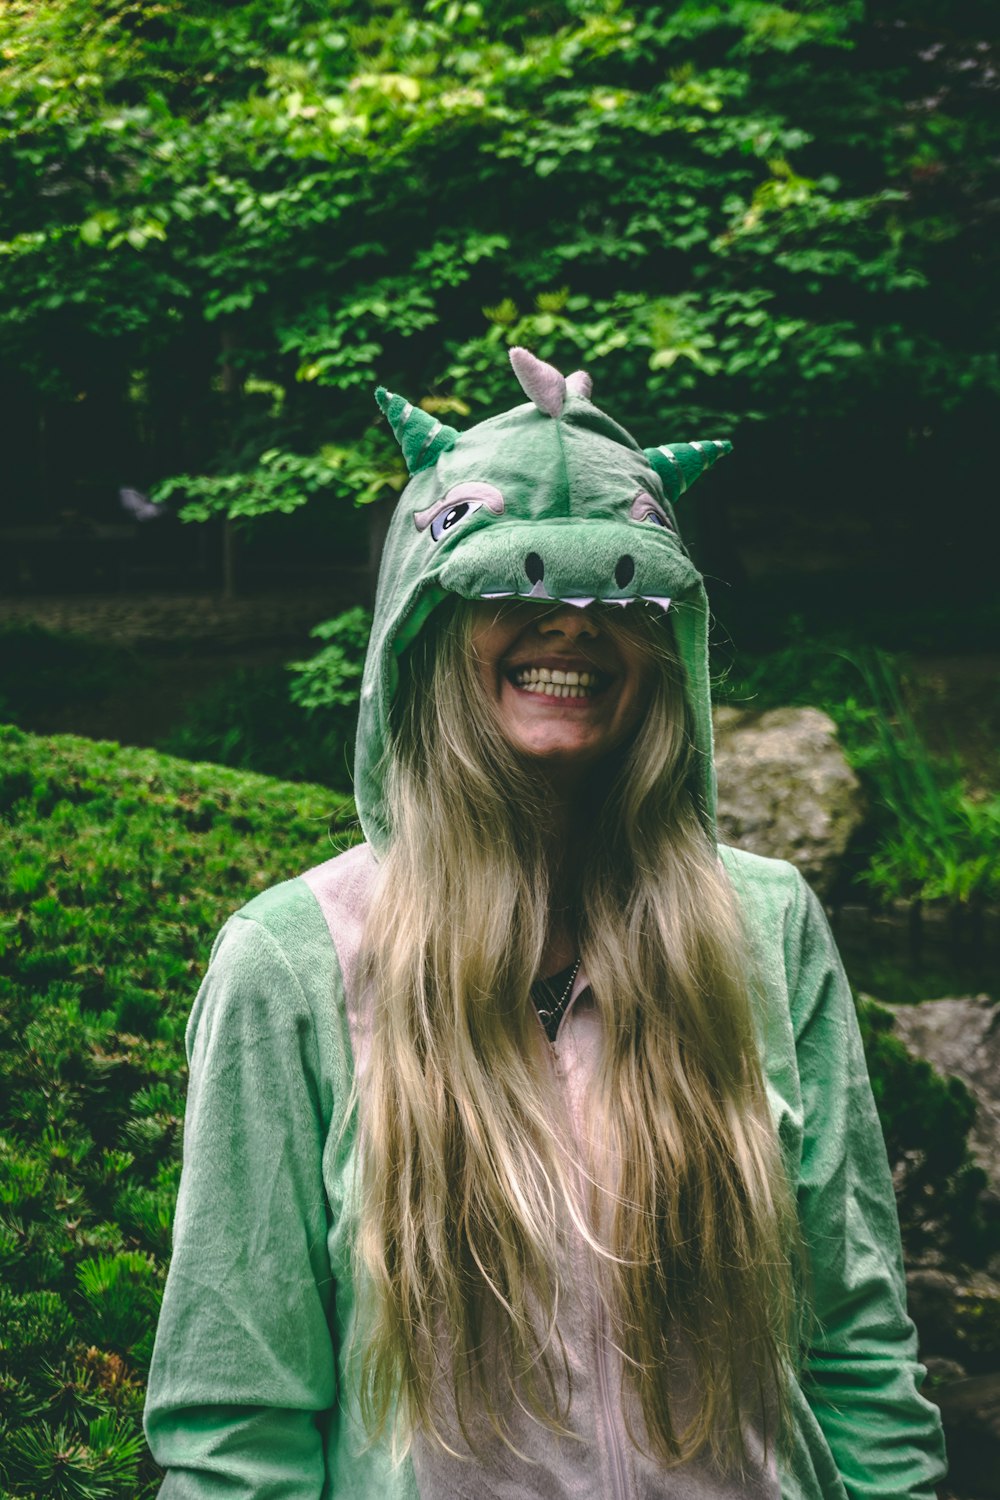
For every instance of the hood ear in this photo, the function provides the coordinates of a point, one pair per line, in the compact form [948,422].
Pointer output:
[422,438]
[680,464]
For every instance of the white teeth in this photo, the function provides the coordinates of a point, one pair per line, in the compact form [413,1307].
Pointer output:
[554,683]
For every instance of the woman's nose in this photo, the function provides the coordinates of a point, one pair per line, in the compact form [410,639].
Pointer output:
[569,621]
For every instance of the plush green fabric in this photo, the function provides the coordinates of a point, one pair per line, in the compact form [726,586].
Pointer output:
[249,1391]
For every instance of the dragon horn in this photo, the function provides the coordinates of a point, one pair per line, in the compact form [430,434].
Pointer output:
[540,382]
[680,464]
[422,438]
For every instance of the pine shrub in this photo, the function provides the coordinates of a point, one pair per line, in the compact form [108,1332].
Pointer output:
[119,867]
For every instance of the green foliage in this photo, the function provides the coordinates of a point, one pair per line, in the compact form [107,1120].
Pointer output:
[245,215]
[121,865]
[332,678]
[932,839]
[944,843]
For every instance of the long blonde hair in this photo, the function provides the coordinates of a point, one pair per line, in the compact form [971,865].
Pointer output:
[467,1181]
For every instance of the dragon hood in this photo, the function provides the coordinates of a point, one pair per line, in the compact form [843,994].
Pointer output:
[550,500]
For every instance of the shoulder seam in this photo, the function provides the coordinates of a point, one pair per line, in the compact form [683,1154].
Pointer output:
[273,943]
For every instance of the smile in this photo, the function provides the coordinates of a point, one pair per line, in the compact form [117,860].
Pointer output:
[553,683]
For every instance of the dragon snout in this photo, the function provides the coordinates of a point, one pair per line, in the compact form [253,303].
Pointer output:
[534,569]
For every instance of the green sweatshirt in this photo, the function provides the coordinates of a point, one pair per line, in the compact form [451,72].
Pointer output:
[249,1392]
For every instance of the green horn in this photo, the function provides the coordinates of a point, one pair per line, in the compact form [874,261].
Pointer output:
[680,464]
[421,437]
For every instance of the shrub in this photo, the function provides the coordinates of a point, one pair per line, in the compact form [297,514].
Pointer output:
[120,865]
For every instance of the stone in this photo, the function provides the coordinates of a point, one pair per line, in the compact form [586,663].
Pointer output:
[958,1316]
[962,1037]
[941,1371]
[785,788]
[970,1411]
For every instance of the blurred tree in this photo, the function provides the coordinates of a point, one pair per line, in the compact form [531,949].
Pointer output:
[223,224]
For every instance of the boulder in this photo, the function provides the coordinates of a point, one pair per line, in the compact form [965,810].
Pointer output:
[962,1037]
[785,788]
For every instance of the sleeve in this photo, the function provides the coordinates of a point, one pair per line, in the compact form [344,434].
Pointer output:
[242,1383]
[860,1376]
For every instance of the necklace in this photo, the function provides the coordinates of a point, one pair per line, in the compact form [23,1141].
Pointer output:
[550,1012]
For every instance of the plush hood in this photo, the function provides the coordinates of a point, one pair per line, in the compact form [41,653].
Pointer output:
[551,500]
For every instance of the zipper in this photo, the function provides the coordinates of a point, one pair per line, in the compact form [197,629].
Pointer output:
[606,1416]
[616,1453]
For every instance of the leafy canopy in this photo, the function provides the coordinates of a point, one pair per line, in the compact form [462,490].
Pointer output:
[252,213]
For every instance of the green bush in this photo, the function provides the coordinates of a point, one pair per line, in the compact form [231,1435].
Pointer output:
[119,865]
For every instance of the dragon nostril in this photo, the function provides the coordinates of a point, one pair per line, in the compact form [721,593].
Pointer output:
[624,571]
[534,567]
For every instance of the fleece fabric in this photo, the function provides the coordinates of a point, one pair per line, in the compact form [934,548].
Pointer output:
[251,1389]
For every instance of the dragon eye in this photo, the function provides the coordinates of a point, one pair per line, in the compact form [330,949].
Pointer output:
[645,508]
[446,519]
[460,501]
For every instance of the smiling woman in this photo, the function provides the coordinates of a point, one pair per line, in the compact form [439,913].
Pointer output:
[529,1146]
[567,684]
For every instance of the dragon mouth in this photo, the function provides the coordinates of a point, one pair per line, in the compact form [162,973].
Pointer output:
[580,602]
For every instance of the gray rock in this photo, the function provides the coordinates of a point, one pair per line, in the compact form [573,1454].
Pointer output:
[962,1037]
[942,1371]
[958,1316]
[970,1410]
[785,789]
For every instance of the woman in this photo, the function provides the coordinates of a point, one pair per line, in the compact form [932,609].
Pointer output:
[529,1147]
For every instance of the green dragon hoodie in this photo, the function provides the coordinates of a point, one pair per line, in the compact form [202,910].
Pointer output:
[250,1395]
